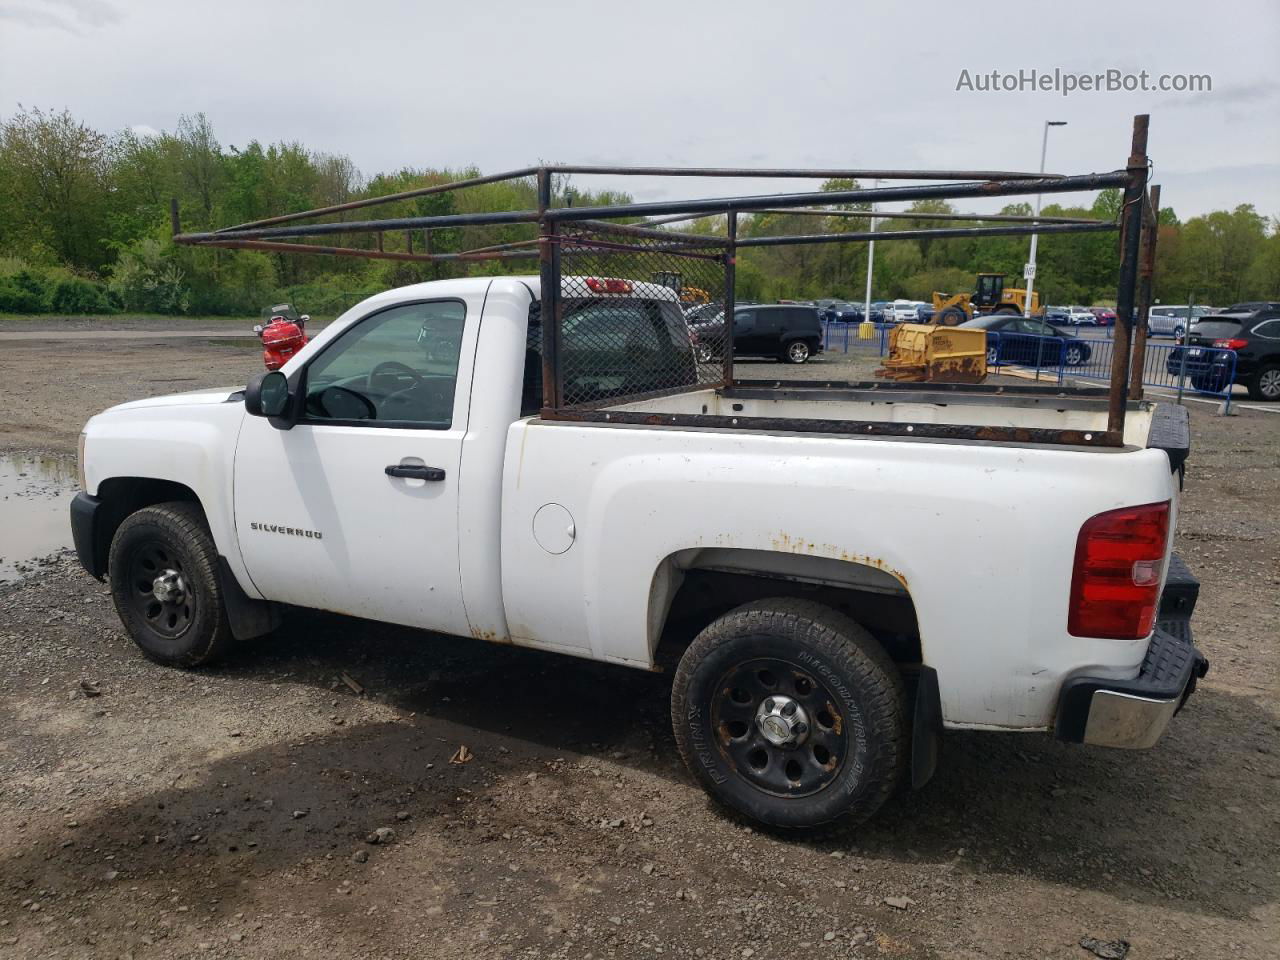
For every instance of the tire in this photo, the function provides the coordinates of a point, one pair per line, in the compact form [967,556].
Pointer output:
[188,627]
[703,353]
[843,689]
[797,351]
[1209,382]
[1073,356]
[952,317]
[1008,310]
[993,356]
[1265,384]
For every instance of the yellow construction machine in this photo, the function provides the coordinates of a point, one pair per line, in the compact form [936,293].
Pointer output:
[991,296]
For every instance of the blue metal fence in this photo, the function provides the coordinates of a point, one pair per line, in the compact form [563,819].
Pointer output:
[1202,370]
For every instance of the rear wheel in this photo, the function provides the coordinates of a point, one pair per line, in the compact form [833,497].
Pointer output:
[1008,310]
[797,352]
[1209,382]
[163,568]
[1265,384]
[791,714]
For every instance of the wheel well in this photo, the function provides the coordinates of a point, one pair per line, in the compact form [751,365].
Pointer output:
[685,598]
[122,496]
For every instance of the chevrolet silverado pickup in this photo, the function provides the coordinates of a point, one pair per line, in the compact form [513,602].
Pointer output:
[828,600]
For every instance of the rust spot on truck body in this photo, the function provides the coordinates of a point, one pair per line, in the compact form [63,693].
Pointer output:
[785,543]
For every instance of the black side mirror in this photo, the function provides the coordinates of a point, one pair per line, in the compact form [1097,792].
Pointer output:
[267,395]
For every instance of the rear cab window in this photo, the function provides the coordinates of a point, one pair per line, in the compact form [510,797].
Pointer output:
[612,347]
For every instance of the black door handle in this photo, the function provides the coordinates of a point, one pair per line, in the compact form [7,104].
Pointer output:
[412,472]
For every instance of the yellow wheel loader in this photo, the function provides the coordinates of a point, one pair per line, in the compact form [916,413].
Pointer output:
[991,296]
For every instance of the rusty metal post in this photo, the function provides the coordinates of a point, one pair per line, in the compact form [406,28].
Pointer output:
[730,297]
[408,240]
[1135,193]
[549,263]
[1146,280]
[174,222]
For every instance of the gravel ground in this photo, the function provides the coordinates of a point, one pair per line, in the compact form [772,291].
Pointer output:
[228,812]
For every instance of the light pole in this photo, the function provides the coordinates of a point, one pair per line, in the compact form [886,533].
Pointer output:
[865,331]
[1030,272]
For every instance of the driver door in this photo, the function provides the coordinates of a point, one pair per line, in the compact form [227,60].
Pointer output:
[355,508]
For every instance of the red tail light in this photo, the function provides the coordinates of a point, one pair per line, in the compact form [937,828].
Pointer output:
[1235,343]
[1116,581]
[608,285]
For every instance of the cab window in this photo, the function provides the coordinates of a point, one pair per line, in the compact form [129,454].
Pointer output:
[396,367]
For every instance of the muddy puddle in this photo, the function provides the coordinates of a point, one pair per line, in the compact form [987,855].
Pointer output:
[35,493]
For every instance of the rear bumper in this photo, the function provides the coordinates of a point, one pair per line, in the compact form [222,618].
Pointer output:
[1133,714]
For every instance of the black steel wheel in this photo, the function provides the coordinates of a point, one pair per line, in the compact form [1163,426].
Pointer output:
[792,714]
[164,582]
[783,729]
[160,594]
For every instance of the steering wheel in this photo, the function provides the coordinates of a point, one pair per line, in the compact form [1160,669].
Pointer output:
[397,369]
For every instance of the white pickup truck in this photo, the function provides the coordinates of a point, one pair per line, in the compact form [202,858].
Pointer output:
[832,595]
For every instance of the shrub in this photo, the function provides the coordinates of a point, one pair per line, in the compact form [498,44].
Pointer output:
[146,279]
[80,296]
[17,297]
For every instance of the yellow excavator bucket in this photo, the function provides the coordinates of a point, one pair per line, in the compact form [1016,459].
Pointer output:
[927,353]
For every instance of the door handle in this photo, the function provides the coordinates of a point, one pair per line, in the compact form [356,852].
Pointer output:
[414,472]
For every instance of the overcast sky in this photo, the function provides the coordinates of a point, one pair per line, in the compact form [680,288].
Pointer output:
[780,83]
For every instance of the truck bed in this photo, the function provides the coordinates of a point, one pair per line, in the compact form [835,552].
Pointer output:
[1034,414]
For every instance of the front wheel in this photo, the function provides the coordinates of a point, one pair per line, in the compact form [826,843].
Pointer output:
[797,352]
[163,568]
[1074,356]
[791,714]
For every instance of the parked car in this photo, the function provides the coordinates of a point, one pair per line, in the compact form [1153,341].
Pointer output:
[1026,340]
[703,311]
[1060,316]
[901,311]
[843,311]
[1081,317]
[925,313]
[1252,330]
[1165,324]
[788,332]
[1105,316]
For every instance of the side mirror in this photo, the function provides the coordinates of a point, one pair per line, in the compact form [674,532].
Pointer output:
[267,395]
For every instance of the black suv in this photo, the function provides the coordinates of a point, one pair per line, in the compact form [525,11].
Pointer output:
[1252,330]
[789,332]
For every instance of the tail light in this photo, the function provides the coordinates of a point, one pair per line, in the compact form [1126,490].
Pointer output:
[608,285]
[1235,343]
[1115,583]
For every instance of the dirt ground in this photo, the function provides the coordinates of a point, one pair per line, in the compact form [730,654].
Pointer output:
[226,813]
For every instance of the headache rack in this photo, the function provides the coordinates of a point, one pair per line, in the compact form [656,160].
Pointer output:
[620,259]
